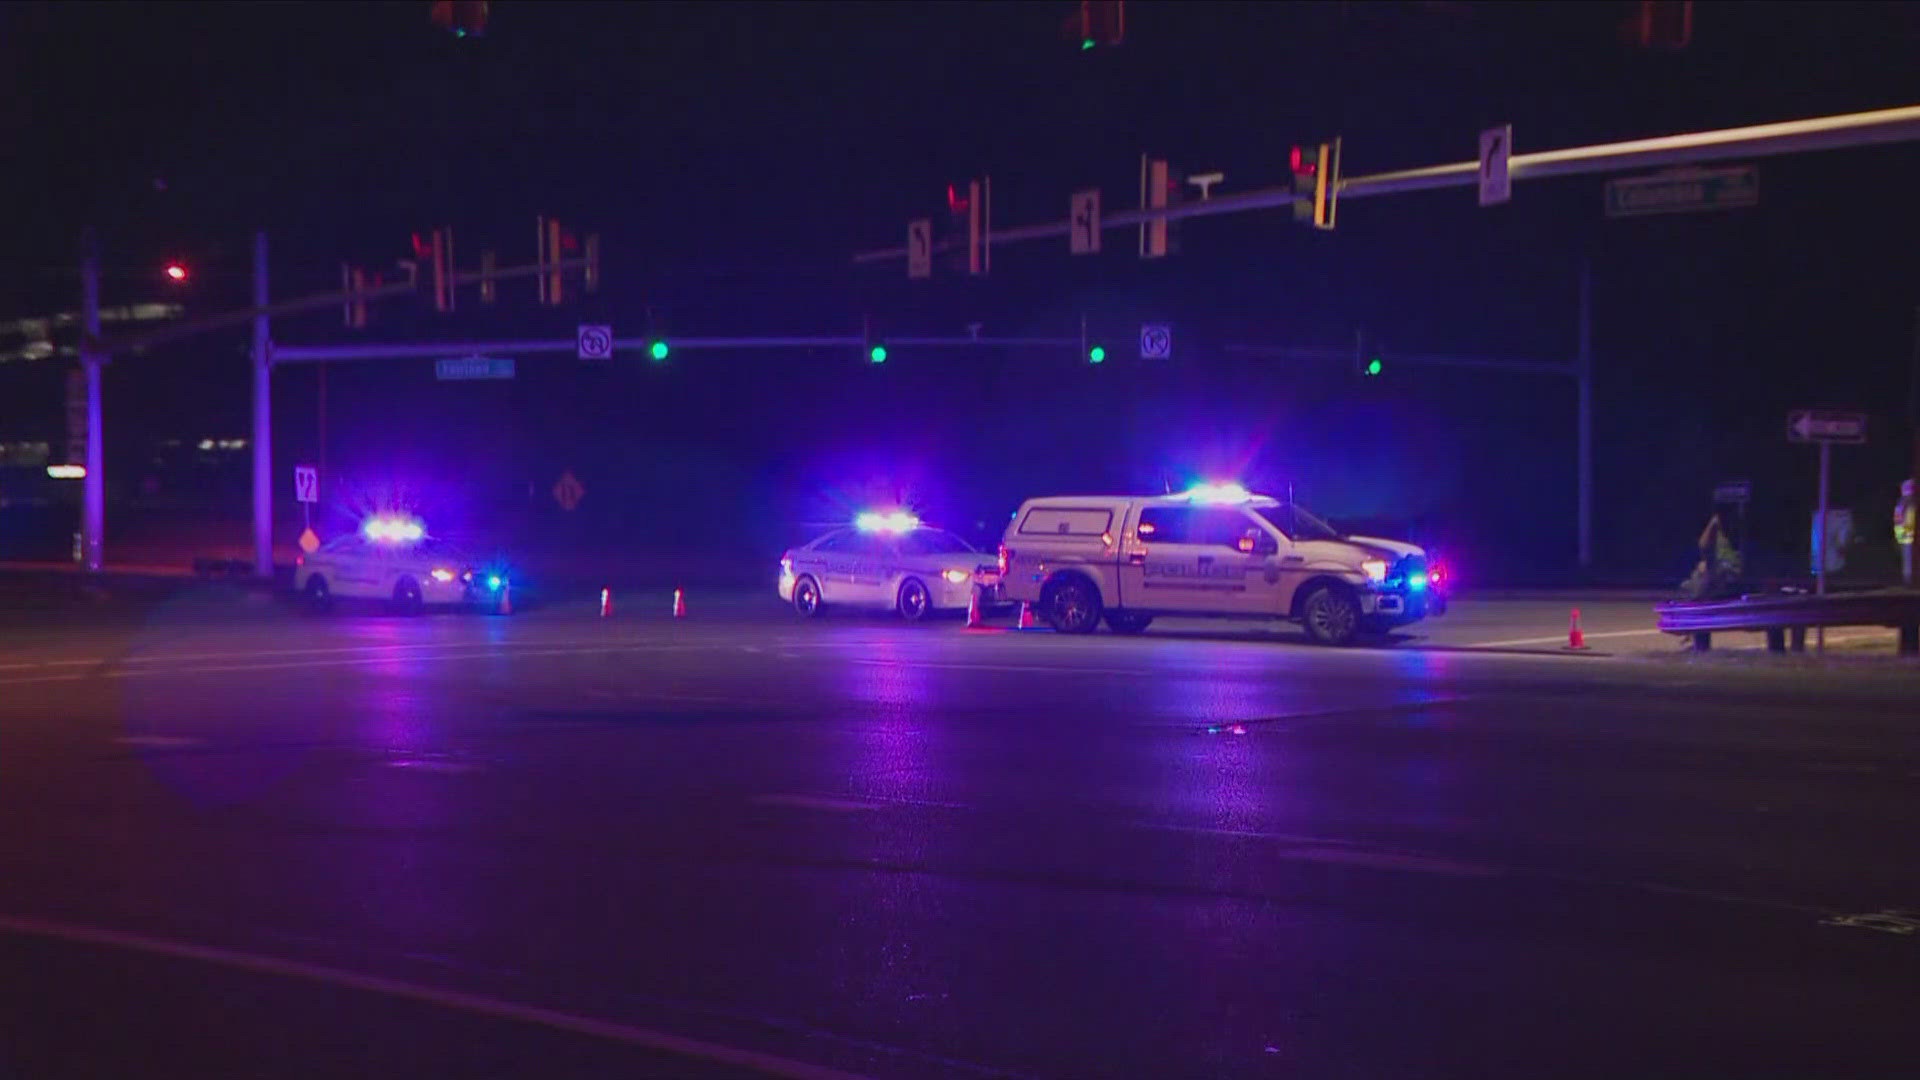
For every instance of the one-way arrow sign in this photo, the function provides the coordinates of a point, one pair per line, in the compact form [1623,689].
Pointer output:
[1822,426]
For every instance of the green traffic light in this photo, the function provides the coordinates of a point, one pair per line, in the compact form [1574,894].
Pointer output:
[1085,44]
[1097,355]
[1373,366]
[657,350]
[877,354]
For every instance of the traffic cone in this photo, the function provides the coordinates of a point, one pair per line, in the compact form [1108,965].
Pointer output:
[1026,616]
[679,605]
[1575,639]
[506,598]
[606,603]
[974,621]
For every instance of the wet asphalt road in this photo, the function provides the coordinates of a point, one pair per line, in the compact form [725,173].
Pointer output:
[239,841]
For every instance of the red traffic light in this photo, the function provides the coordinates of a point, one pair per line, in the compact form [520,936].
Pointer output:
[176,271]
[1302,164]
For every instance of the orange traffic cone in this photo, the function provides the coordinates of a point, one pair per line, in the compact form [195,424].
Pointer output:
[679,605]
[1026,616]
[1575,639]
[974,620]
[606,603]
[506,598]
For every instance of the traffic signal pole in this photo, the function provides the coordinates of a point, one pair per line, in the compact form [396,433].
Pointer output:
[93,493]
[1758,140]
[262,416]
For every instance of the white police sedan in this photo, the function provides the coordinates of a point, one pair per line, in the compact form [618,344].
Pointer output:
[884,562]
[394,560]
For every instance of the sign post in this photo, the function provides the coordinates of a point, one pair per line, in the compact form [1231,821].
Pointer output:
[594,341]
[1496,146]
[1825,428]
[1156,341]
[1083,217]
[306,491]
[920,248]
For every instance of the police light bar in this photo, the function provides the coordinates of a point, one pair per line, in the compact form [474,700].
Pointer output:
[1217,493]
[392,530]
[894,521]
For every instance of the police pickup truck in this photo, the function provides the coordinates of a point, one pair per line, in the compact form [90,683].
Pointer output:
[1216,550]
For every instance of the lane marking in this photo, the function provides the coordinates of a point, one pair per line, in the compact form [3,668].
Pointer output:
[815,802]
[157,658]
[1341,852]
[455,1000]
[356,661]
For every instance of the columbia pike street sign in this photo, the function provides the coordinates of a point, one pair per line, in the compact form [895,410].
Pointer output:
[1682,190]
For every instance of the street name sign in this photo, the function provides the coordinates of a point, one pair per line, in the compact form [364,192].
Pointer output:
[1682,190]
[1824,426]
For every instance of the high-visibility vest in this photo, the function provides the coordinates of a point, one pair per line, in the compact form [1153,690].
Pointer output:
[1903,520]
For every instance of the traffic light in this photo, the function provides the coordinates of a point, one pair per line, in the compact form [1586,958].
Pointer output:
[970,217]
[489,289]
[353,281]
[657,350]
[1368,357]
[1097,354]
[876,353]
[548,249]
[462,18]
[442,253]
[1097,22]
[591,282]
[1316,183]
[1155,190]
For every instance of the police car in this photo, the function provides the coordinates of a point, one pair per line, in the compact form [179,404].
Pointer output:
[886,561]
[1216,550]
[394,560]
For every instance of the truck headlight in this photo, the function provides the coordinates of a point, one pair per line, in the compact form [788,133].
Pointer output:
[1375,569]
[957,577]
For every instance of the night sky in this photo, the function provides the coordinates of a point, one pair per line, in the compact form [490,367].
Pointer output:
[735,156]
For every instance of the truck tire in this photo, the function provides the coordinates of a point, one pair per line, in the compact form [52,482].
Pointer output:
[1331,615]
[1071,605]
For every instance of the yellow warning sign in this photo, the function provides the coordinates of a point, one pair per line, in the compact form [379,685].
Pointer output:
[309,540]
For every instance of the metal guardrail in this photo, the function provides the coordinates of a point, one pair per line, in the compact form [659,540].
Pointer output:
[1779,613]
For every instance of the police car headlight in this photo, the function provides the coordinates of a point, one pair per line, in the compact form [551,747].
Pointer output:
[957,577]
[1375,569]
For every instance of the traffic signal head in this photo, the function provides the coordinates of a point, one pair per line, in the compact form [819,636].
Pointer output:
[1097,355]
[1316,182]
[876,354]
[1373,367]
[657,352]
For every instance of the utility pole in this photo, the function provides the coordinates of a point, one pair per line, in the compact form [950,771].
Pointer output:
[1583,376]
[93,497]
[262,417]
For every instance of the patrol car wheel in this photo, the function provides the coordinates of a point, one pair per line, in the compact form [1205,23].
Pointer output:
[1331,615]
[1127,622]
[1071,606]
[406,597]
[913,601]
[806,598]
[319,597]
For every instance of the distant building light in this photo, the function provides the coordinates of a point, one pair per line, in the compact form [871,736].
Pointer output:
[206,444]
[67,472]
